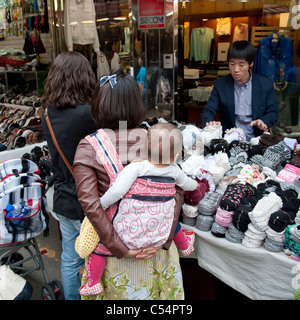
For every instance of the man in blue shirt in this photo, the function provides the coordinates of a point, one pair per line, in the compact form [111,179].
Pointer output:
[245,100]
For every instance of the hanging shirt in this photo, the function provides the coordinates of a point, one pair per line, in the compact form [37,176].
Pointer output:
[240,32]
[200,43]
[104,68]
[80,25]
[243,107]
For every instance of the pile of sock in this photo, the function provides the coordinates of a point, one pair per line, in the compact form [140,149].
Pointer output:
[219,145]
[292,241]
[253,238]
[223,217]
[238,157]
[189,214]
[211,132]
[246,192]
[260,214]
[290,173]
[233,234]
[273,156]
[234,134]
[207,209]
[233,194]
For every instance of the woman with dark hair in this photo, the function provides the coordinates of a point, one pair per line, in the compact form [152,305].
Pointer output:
[67,96]
[153,273]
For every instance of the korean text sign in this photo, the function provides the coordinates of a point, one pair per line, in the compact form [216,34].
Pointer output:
[151,14]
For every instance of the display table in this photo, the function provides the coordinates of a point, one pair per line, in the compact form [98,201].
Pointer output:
[18,152]
[257,273]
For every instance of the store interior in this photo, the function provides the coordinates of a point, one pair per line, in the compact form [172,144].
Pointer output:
[230,21]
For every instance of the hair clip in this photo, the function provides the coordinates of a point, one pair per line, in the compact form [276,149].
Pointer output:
[112,80]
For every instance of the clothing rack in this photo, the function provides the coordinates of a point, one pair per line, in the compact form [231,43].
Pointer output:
[259,33]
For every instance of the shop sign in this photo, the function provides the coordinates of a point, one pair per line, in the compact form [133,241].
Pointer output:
[151,14]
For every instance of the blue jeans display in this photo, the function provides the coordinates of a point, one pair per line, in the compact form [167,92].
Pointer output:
[70,260]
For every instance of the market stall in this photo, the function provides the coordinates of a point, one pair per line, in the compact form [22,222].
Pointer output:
[257,273]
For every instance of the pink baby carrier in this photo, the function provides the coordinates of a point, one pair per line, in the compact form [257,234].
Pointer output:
[144,216]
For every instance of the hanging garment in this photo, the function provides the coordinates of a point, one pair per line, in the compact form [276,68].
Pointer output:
[201,39]
[104,67]
[240,32]
[272,55]
[223,27]
[80,26]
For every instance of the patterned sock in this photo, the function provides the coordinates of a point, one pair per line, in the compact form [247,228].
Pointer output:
[237,156]
[272,158]
[232,196]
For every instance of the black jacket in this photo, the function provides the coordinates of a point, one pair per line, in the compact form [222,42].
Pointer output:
[70,125]
[264,104]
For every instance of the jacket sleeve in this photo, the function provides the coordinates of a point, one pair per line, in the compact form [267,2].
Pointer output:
[210,110]
[271,108]
[257,60]
[85,171]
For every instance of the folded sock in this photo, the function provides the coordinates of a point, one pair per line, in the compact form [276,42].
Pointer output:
[233,234]
[218,230]
[234,193]
[209,203]
[260,214]
[237,156]
[204,223]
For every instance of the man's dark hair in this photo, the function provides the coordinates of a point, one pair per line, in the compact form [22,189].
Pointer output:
[241,50]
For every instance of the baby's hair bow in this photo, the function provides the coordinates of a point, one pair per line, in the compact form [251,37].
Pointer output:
[112,80]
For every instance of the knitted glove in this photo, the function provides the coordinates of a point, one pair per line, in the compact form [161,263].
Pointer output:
[257,159]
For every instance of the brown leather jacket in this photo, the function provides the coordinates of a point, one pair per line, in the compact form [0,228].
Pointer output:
[92,181]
